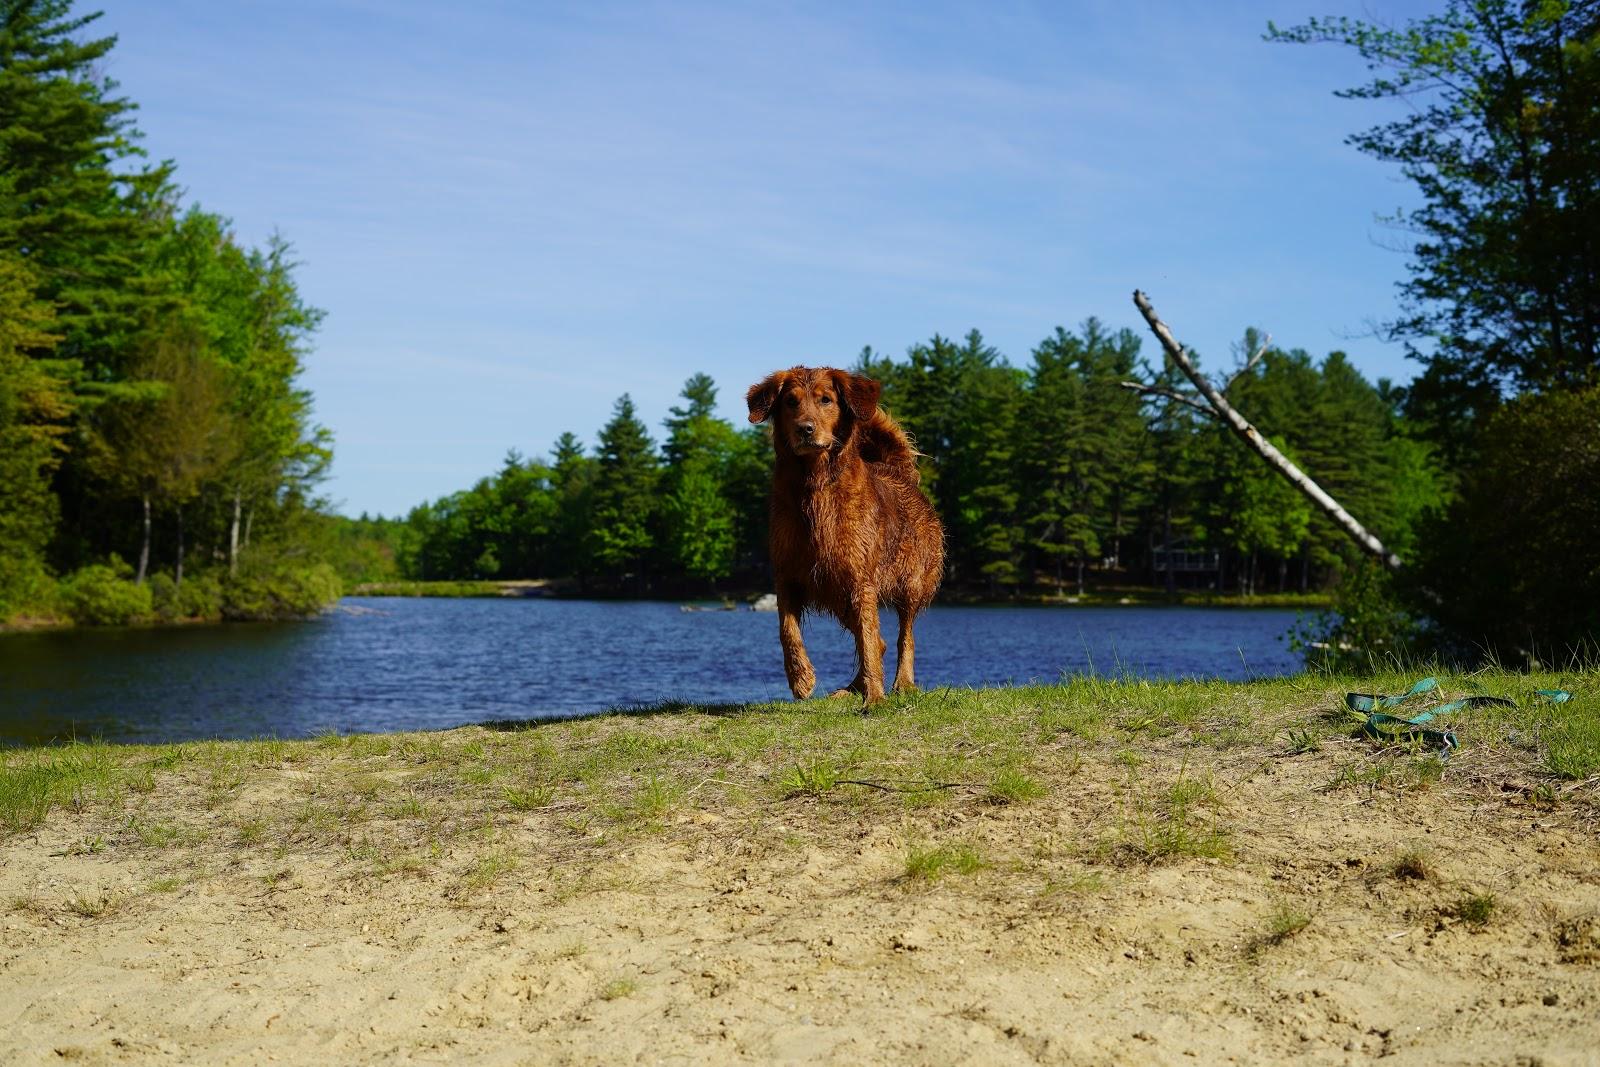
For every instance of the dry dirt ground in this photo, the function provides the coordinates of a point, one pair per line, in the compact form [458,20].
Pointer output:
[1456,923]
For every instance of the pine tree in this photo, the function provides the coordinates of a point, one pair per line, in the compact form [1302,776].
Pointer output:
[624,502]
[698,522]
[1068,487]
[34,409]
[72,203]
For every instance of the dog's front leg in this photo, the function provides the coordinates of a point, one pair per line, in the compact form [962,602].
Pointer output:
[869,645]
[796,664]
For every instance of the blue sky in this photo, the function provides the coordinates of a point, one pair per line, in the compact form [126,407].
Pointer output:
[515,212]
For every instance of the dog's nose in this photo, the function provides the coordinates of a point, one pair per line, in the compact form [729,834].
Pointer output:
[807,429]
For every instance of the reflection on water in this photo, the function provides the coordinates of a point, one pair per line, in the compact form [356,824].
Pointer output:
[405,664]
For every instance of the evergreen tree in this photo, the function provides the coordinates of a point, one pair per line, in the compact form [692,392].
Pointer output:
[624,502]
[572,473]
[34,408]
[1119,446]
[698,522]
[72,203]
[1068,487]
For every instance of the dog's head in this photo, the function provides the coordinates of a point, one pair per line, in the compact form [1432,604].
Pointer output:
[812,408]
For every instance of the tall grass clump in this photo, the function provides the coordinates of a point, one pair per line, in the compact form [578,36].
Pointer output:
[34,783]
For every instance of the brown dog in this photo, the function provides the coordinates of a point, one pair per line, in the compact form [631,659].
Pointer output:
[850,528]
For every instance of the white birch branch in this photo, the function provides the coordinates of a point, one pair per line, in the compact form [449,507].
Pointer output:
[1363,537]
[1249,363]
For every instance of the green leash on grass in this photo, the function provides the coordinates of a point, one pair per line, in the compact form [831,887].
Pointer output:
[1382,726]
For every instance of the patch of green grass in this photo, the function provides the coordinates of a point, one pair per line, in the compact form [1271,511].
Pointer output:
[654,798]
[409,806]
[1475,909]
[95,907]
[1083,882]
[428,589]
[1177,824]
[169,884]
[161,834]
[534,797]
[1285,921]
[574,949]
[1302,742]
[618,988]
[811,778]
[33,782]
[1371,776]
[1573,744]
[489,869]
[1412,865]
[1011,786]
[929,863]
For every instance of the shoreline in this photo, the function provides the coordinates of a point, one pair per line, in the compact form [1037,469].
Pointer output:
[539,590]
[1129,597]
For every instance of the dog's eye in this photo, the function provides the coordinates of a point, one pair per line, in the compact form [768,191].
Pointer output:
[792,400]
[825,400]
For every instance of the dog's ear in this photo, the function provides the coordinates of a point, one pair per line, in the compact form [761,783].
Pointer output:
[860,394]
[764,394]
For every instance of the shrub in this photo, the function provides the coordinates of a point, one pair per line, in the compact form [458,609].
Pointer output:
[164,597]
[1511,564]
[103,595]
[275,590]
[26,588]
[1367,625]
[199,597]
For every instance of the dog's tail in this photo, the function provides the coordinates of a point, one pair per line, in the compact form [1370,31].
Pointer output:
[885,443]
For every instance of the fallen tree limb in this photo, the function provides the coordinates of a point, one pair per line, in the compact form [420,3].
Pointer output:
[1364,538]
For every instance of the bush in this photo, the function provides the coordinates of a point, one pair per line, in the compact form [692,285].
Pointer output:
[274,590]
[1367,626]
[1513,567]
[164,597]
[104,595]
[26,588]
[200,597]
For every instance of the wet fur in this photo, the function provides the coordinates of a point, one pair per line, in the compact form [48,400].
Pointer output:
[850,528]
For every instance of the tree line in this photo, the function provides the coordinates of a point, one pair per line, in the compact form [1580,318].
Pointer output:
[1048,476]
[1482,475]
[157,455]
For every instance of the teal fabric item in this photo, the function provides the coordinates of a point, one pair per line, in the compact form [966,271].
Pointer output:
[1385,727]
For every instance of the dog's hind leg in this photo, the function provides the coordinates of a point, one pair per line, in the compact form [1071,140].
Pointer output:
[796,664]
[905,668]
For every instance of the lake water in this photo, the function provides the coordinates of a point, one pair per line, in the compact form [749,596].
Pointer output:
[408,664]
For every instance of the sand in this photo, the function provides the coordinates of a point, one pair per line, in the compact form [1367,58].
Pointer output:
[789,932]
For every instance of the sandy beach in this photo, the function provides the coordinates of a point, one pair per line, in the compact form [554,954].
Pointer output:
[376,900]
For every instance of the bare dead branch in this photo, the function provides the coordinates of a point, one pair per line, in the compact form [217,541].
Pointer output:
[1169,394]
[1249,363]
[1365,539]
